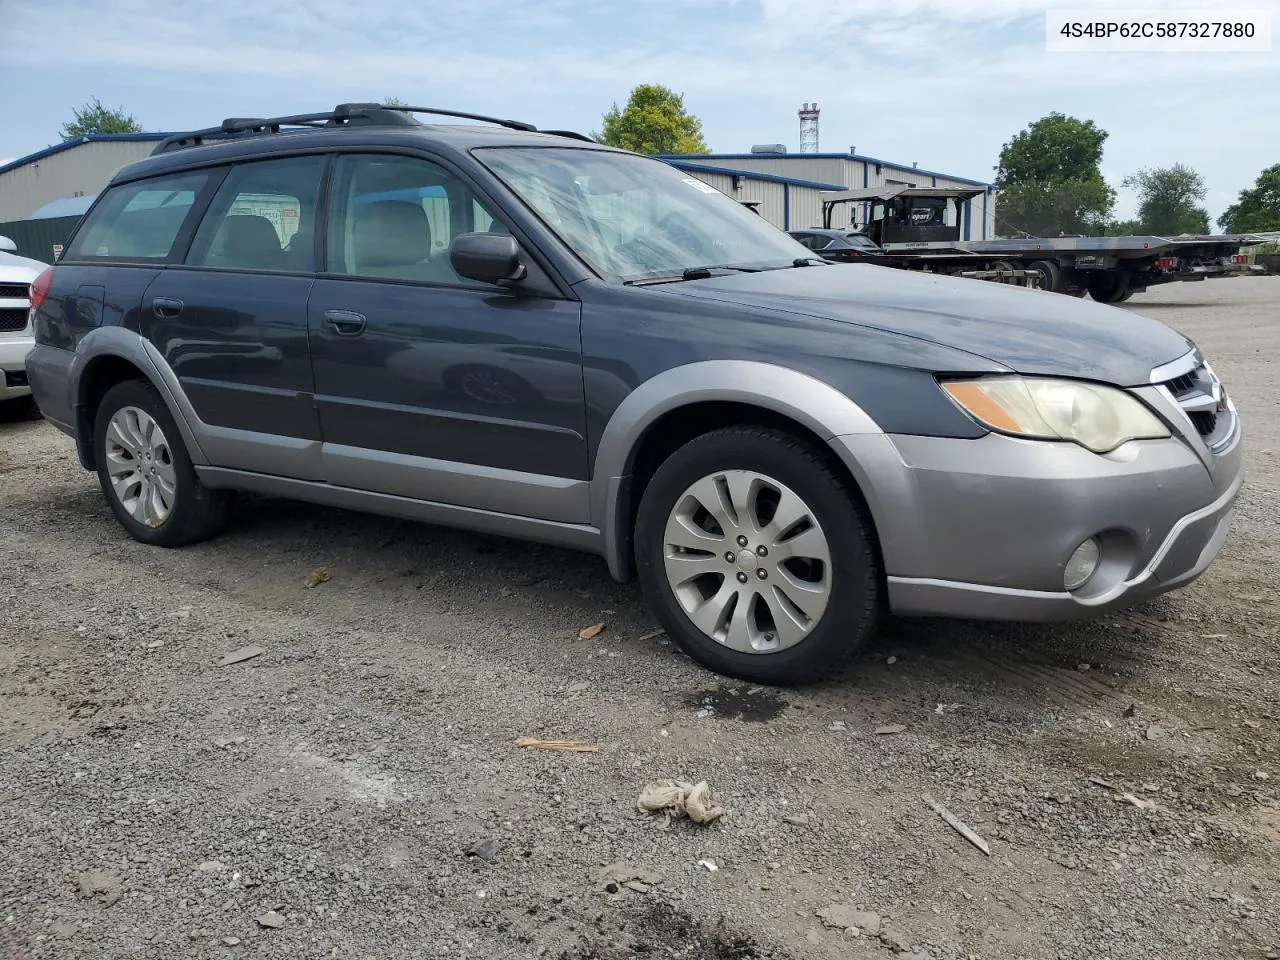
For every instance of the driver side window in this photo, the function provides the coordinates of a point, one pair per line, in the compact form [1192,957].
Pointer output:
[395,218]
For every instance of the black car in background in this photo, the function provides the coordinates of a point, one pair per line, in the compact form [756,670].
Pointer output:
[839,246]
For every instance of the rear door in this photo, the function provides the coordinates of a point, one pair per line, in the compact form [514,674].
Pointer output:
[430,385]
[231,319]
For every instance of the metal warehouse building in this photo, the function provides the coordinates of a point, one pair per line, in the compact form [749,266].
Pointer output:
[847,171]
[784,201]
[76,168]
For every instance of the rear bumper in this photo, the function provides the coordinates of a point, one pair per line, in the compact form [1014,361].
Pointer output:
[13,366]
[983,528]
[48,371]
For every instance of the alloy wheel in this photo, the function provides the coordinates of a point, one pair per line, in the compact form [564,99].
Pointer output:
[139,463]
[747,561]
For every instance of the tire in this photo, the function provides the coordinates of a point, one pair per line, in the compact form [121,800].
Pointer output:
[772,468]
[1109,287]
[124,436]
[23,408]
[1050,275]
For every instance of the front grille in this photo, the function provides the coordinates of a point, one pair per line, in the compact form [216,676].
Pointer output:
[1203,399]
[14,291]
[13,320]
[1205,423]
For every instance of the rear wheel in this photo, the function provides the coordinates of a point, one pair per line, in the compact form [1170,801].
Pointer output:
[146,473]
[1109,287]
[757,558]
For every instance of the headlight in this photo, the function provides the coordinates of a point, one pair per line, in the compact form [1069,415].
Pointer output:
[1097,417]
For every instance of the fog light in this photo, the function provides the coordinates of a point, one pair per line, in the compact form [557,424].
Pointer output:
[1081,565]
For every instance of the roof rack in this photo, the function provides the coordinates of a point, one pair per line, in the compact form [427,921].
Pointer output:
[567,133]
[343,115]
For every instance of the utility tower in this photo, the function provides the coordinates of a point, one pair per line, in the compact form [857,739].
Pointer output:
[808,128]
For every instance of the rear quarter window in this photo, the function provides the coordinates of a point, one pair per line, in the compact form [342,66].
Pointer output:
[138,221]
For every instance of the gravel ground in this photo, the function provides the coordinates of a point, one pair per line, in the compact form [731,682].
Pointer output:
[320,799]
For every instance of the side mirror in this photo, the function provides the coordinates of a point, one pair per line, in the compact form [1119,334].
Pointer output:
[487,257]
[7,245]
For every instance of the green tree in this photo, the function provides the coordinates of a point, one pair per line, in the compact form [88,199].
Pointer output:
[394,102]
[1048,178]
[1258,209]
[653,121]
[93,117]
[1169,200]
[1125,228]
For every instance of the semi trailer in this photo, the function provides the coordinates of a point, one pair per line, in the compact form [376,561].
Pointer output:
[921,228]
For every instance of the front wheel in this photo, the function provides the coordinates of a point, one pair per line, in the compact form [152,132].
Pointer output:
[146,474]
[758,558]
[1050,275]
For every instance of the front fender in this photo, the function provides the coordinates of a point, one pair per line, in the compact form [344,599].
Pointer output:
[809,402]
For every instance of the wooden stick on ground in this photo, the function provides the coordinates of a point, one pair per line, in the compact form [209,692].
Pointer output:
[572,746]
[957,825]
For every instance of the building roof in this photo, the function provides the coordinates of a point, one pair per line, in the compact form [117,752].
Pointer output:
[77,141]
[890,191]
[681,164]
[821,156]
[63,207]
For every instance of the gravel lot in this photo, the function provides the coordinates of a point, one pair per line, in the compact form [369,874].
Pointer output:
[320,799]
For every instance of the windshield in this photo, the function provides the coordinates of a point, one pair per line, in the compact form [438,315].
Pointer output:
[635,218]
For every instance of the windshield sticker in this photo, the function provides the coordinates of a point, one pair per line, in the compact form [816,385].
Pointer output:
[698,184]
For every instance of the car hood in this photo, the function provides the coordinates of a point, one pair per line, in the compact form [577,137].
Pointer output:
[1028,331]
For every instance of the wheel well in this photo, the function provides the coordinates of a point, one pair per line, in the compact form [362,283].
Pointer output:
[674,429]
[100,376]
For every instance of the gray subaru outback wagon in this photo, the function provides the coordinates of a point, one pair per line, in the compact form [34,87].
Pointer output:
[528,333]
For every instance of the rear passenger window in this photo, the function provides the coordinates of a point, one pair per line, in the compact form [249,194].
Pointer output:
[138,221]
[395,217]
[262,217]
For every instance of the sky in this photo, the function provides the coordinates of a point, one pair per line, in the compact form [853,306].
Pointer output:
[943,83]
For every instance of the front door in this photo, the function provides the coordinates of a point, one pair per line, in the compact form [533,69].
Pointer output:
[429,385]
[231,320]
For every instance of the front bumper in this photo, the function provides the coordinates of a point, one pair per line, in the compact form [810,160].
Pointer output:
[983,528]
[13,365]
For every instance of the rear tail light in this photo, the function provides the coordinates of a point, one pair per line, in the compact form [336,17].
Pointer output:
[1240,258]
[850,254]
[40,289]
[1167,263]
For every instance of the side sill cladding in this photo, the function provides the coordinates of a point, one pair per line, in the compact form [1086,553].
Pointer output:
[127,345]
[815,405]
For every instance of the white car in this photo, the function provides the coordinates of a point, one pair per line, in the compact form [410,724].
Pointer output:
[16,339]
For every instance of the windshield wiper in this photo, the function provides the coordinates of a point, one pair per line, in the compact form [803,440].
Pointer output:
[808,262]
[689,273]
[701,273]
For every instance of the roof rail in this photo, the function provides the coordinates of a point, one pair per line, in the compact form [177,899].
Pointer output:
[572,135]
[510,124]
[345,114]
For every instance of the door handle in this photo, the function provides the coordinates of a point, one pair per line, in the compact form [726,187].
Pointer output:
[166,308]
[344,322]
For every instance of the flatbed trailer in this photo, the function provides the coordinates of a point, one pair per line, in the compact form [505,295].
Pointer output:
[920,228]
